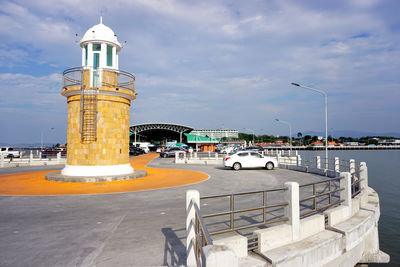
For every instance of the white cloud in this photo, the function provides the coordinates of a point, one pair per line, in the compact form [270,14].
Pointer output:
[196,61]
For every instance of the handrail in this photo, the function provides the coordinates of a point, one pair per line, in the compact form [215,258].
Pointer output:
[73,77]
[232,211]
[202,237]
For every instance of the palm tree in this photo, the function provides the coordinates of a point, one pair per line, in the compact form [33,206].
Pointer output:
[299,135]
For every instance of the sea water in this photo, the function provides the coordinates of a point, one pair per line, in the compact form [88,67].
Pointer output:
[384,178]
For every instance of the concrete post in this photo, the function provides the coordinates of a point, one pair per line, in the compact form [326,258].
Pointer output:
[318,163]
[337,164]
[219,256]
[195,154]
[292,212]
[209,154]
[352,166]
[346,193]
[40,156]
[363,175]
[298,160]
[2,161]
[30,159]
[216,155]
[192,196]
[58,157]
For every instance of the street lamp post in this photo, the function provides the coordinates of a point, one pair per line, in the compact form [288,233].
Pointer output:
[41,138]
[290,132]
[326,113]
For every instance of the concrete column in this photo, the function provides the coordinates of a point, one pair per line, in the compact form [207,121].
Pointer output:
[346,193]
[318,162]
[103,56]
[83,56]
[337,164]
[192,196]
[30,159]
[352,166]
[298,160]
[114,52]
[292,212]
[363,175]
[1,160]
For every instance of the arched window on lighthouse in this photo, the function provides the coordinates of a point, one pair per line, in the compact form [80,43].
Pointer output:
[109,56]
[96,64]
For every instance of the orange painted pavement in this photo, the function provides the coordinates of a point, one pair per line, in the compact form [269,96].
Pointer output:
[34,183]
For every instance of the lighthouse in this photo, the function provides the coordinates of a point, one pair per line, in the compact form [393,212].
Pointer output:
[99,96]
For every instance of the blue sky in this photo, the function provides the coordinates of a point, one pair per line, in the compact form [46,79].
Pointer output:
[209,64]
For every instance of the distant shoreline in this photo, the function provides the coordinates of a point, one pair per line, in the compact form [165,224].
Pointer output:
[338,148]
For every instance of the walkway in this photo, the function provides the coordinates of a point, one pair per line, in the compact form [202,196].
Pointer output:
[145,228]
[34,183]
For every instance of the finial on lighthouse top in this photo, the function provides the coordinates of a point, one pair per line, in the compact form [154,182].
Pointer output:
[100,33]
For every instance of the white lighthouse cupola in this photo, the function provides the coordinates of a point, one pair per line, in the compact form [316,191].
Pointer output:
[100,49]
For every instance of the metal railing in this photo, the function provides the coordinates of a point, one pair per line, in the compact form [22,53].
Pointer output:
[232,211]
[316,195]
[73,77]
[355,183]
[201,234]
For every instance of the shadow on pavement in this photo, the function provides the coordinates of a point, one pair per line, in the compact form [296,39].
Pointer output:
[174,249]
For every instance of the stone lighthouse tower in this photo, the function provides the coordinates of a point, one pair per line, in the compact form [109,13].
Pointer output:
[99,97]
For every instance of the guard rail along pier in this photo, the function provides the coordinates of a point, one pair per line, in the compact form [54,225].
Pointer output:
[333,222]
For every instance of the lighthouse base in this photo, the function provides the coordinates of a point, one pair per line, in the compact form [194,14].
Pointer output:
[99,170]
[100,173]
[59,177]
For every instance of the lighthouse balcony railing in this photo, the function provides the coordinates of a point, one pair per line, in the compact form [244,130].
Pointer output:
[74,78]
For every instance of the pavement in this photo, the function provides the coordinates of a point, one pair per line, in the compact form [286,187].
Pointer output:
[34,183]
[142,228]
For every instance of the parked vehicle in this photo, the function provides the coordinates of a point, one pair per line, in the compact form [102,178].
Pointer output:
[135,151]
[227,150]
[255,148]
[249,159]
[52,152]
[9,152]
[170,152]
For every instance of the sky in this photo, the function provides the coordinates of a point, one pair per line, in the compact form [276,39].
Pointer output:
[209,64]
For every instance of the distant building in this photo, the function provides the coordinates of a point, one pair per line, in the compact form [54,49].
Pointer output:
[317,144]
[389,142]
[218,134]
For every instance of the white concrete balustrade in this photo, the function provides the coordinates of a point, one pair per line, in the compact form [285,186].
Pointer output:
[340,236]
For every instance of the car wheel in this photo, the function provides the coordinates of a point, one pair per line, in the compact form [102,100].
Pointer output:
[164,155]
[236,166]
[269,166]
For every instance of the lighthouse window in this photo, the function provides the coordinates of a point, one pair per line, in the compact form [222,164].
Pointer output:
[96,60]
[109,55]
[96,47]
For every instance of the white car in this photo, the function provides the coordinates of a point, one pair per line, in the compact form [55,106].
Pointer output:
[249,159]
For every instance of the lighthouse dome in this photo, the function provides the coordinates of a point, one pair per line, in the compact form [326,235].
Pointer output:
[100,33]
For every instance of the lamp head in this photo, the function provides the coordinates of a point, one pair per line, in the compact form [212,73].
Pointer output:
[295,84]
[277,119]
